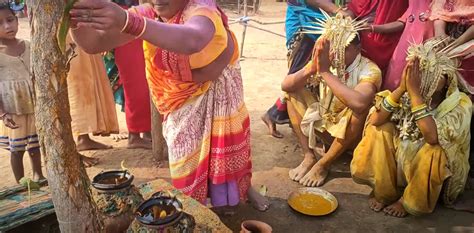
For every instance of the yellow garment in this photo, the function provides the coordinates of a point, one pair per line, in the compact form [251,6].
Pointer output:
[301,100]
[91,100]
[388,164]
[219,41]
[16,85]
[335,119]
[169,90]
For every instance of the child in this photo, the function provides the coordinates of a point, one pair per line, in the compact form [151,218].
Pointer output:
[17,121]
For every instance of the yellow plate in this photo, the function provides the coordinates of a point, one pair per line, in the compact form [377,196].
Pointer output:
[312,201]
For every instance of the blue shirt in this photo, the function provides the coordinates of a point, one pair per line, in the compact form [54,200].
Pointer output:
[298,16]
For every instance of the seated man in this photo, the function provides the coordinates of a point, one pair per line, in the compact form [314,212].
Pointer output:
[332,106]
[417,137]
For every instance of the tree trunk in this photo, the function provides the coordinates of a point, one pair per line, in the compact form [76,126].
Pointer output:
[67,178]
[159,144]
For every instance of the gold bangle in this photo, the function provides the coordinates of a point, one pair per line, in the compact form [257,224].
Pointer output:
[418,108]
[423,115]
[126,22]
[144,29]
[392,102]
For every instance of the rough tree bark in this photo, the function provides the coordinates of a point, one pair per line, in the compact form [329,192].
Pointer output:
[67,176]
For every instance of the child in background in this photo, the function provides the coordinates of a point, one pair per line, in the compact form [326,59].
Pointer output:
[17,121]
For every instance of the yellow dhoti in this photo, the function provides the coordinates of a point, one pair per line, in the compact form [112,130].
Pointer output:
[377,163]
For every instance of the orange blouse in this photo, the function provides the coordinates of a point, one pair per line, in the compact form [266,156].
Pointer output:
[172,88]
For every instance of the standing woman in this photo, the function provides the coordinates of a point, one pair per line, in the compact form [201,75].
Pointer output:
[456,19]
[417,29]
[132,75]
[195,82]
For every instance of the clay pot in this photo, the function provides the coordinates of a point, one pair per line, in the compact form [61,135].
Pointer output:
[117,202]
[176,221]
[253,226]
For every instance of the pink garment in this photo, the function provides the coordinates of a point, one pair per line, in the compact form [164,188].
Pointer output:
[417,29]
[461,11]
[461,14]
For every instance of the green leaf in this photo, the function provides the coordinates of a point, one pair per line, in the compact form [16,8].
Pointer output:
[64,26]
[28,182]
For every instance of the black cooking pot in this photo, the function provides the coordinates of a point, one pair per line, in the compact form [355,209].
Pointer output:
[171,205]
[99,183]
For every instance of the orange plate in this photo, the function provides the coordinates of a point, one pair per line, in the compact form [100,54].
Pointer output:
[312,201]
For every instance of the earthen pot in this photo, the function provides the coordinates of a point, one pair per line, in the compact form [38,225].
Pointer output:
[253,226]
[117,203]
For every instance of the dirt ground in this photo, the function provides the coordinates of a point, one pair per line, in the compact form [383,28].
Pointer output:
[263,68]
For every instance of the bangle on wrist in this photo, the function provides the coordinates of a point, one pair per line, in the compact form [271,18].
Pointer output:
[126,22]
[372,28]
[143,30]
[388,106]
[135,25]
[392,102]
[422,114]
[418,108]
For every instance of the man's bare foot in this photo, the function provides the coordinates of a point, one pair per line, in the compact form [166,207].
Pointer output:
[315,177]
[135,142]
[296,174]
[375,205]
[396,209]
[271,126]
[84,142]
[258,201]
[89,161]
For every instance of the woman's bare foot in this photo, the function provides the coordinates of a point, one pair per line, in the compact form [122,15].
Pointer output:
[271,126]
[89,161]
[396,209]
[296,174]
[258,201]
[84,142]
[226,211]
[38,177]
[135,141]
[315,177]
[147,136]
[120,137]
[374,204]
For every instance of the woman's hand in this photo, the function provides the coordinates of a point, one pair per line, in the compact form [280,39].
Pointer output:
[98,14]
[8,121]
[413,79]
[403,82]
[346,13]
